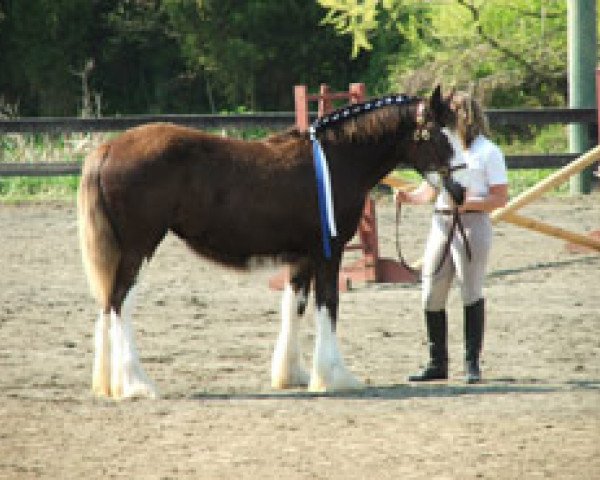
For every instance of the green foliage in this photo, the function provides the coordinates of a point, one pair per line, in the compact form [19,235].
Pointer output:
[534,139]
[252,53]
[62,57]
[28,189]
[355,17]
[175,56]
[43,147]
[511,53]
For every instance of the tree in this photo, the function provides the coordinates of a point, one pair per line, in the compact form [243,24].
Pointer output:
[513,53]
[251,53]
[167,55]
[40,45]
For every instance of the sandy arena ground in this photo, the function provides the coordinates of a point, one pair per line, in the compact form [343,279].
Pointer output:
[206,334]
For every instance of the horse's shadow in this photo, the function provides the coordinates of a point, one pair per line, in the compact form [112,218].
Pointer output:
[498,386]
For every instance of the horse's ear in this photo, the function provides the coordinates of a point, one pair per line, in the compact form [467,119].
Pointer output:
[441,108]
[436,103]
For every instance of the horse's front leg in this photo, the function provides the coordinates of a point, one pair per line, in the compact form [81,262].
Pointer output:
[329,372]
[287,366]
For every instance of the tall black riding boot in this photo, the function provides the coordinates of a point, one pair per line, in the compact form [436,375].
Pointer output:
[437,334]
[474,326]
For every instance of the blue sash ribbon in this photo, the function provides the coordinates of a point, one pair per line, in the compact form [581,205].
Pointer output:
[326,210]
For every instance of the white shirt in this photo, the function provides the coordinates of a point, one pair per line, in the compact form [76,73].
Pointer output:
[485,167]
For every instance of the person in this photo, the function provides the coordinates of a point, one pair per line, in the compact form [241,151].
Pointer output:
[464,256]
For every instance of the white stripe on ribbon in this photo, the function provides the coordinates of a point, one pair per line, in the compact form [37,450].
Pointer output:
[322,162]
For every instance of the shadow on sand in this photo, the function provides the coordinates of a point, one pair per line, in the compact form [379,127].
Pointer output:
[497,386]
[502,273]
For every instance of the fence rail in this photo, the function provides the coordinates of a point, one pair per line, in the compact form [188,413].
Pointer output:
[268,120]
[271,120]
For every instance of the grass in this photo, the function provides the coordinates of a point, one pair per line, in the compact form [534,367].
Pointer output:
[73,147]
[38,189]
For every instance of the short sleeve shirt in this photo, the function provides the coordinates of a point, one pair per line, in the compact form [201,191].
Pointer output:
[485,166]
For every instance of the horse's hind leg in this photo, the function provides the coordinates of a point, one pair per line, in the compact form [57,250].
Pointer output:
[127,377]
[101,372]
[329,372]
[287,366]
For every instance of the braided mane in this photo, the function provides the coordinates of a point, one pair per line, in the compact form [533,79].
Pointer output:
[367,121]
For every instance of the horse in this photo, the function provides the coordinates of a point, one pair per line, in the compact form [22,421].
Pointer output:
[234,201]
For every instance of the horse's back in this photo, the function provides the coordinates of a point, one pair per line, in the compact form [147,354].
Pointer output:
[143,179]
[228,198]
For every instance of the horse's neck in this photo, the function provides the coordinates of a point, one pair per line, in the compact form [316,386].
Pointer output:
[365,165]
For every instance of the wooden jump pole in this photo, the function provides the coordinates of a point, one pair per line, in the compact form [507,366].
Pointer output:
[508,213]
[553,231]
[558,177]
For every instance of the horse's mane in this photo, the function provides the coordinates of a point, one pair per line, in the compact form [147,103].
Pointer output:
[369,120]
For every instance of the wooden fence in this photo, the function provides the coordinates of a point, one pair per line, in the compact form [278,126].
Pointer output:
[272,120]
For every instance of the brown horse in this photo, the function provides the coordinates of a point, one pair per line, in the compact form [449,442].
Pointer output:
[234,200]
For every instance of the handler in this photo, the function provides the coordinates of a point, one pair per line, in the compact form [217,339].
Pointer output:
[465,255]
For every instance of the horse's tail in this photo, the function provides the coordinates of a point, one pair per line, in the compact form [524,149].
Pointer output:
[99,243]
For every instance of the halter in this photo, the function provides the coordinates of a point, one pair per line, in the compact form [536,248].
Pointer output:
[421,132]
[326,208]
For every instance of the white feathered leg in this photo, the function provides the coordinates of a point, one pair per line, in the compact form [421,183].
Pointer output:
[102,371]
[128,378]
[287,366]
[329,373]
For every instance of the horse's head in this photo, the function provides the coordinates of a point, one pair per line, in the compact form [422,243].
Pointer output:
[437,151]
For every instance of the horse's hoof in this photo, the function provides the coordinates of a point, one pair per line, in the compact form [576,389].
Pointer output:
[339,380]
[140,390]
[101,389]
[136,389]
[296,378]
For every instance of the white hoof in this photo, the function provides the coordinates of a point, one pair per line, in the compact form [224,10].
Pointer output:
[337,379]
[140,389]
[329,373]
[102,370]
[289,378]
[101,389]
[287,365]
[127,377]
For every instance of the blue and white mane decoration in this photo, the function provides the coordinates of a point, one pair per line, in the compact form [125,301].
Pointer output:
[326,208]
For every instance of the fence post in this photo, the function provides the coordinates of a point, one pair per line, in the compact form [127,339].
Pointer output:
[325,105]
[582,65]
[301,103]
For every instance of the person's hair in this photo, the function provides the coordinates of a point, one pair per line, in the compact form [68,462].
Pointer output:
[471,120]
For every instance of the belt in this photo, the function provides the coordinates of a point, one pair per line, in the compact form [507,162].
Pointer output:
[447,211]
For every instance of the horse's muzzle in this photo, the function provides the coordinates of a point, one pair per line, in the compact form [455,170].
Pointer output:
[455,189]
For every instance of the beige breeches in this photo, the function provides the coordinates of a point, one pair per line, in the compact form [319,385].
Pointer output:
[470,274]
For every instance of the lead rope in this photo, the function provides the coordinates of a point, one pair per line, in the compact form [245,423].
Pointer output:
[456,223]
[401,260]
